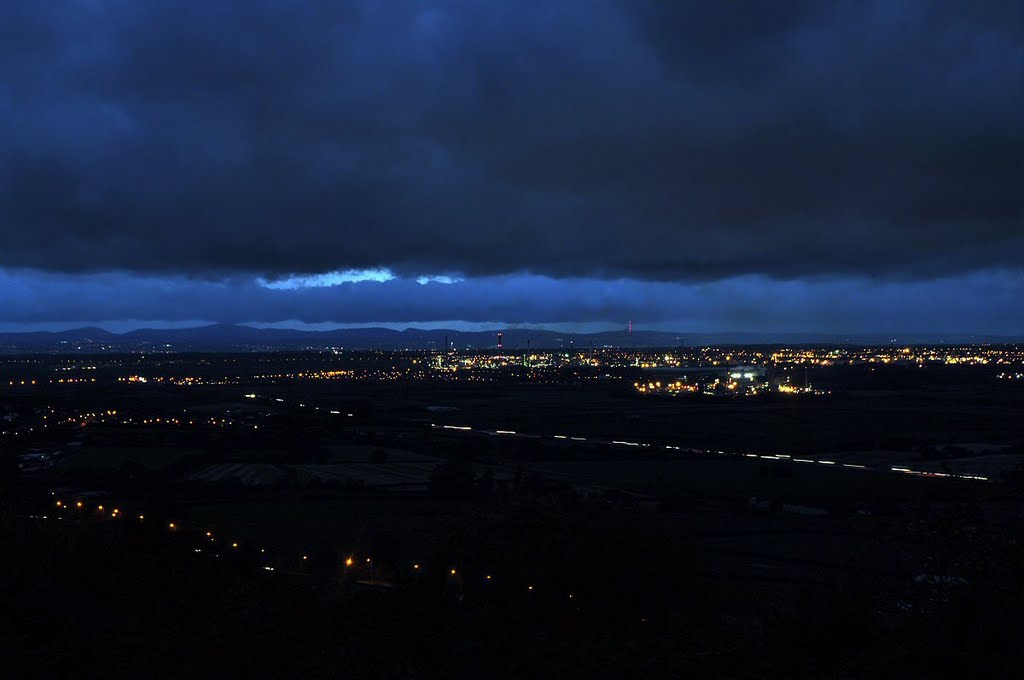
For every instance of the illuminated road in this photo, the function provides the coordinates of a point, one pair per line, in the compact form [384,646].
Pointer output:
[683,450]
[626,444]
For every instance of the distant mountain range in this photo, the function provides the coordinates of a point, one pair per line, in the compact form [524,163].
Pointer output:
[245,338]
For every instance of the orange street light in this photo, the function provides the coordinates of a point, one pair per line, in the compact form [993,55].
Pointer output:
[348,562]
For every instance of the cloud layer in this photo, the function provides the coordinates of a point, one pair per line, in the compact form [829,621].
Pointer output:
[656,141]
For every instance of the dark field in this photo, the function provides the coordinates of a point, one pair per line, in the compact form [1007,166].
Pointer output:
[590,529]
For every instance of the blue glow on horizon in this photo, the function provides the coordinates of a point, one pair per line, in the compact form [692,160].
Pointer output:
[984,303]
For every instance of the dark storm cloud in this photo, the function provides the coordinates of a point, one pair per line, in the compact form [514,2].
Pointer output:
[655,140]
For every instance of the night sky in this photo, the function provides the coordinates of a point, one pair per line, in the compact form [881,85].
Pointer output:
[696,166]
